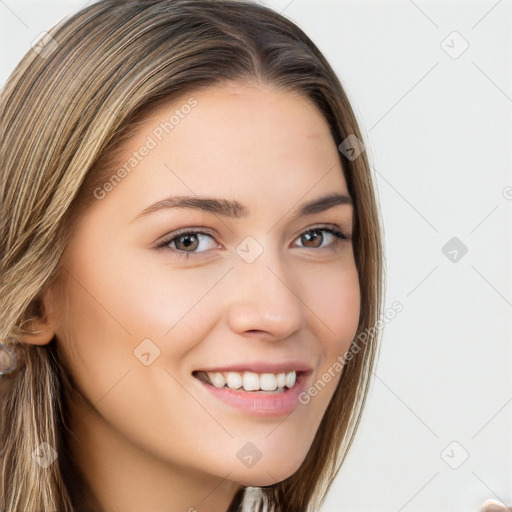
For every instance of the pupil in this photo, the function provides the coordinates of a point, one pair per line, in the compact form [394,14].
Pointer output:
[310,237]
[189,240]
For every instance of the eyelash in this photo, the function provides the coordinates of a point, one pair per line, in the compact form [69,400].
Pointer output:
[184,254]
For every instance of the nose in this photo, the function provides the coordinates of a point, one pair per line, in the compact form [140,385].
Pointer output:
[264,299]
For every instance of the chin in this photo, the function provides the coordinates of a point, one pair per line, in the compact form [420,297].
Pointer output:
[263,476]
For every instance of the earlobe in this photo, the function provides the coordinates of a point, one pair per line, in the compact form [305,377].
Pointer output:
[35,332]
[37,329]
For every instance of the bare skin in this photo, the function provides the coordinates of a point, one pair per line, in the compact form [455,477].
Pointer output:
[150,437]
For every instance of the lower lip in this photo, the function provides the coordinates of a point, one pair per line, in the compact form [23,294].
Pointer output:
[257,403]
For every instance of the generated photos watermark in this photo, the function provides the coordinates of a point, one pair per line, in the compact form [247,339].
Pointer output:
[151,142]
[355,348]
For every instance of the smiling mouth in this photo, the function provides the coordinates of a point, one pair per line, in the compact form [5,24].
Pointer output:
[250,381]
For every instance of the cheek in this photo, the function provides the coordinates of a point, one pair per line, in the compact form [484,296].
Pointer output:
[102,322]
[334,299]
[94,342]
[109,312]
[153,298]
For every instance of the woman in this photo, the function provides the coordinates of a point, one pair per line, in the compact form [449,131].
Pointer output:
[191,264]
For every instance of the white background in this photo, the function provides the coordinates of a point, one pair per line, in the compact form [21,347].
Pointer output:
[438,133]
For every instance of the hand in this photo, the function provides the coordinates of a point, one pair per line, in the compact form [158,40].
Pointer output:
[495,506]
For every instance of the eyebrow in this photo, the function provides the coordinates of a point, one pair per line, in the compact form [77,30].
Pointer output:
[235,209]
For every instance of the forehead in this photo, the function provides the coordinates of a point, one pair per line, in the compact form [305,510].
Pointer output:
[252,143]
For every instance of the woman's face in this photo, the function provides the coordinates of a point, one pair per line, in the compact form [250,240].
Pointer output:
[142,308]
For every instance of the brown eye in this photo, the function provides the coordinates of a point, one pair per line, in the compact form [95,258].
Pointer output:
[312,238]
[187,241]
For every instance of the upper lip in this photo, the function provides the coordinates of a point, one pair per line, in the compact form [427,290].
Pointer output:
[260,367]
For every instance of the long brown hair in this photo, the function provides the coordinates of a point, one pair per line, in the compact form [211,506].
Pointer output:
[64,112]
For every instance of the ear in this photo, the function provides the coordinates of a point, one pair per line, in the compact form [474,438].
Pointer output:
[37,328]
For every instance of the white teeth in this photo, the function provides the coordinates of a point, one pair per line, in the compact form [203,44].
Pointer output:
[251,381]
[290,379]
[217,379]
[234,380]
[268,382]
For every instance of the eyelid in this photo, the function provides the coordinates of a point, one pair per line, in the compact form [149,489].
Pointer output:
[333,228]
[326,227]
[183,231]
